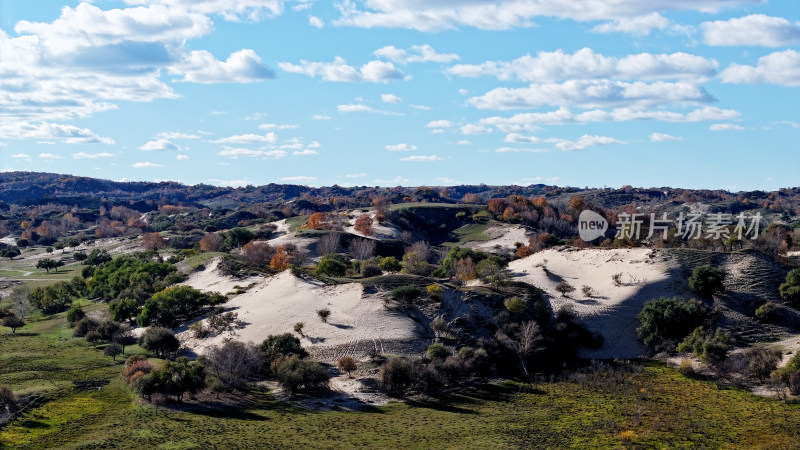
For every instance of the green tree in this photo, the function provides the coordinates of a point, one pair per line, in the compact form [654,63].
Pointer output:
[237,237]
[10,252]
[437,352]
[174,303]
[124,309]
[13,322]
[332,265]
[97,257]
[282,345]
[295,374]
[113,349]
[390,264]
[160,341]
[790,290]
[707,280]
[75,314]
[669,319]
[709,347]
[47,264]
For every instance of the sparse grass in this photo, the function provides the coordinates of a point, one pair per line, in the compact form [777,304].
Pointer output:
[191,263]
[296,221]
[653,407]
[469,233]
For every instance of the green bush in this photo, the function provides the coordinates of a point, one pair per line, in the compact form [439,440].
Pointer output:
[57,297]
[172,304]
[75,314]
[295,374]
[669,319]
[447,268]
[709,347]
[516,305]
[437,352]
[160,341]
[707,280]
[370,269]
[390,264]
[769,312]
[134,276]
[435,291]
[332,265]
[406,294]
[790,290]
[282,345]
[397,375]
[124,309]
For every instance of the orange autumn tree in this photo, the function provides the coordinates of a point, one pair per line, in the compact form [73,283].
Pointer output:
[153,241]
[212,242]
[280,260]
[316,221]
[364,224]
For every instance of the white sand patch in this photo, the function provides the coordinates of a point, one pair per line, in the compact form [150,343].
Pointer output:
[211,280]
[612,309]
[503,236]
[276,303]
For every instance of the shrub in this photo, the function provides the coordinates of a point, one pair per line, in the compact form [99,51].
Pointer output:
[113,350]
[396,375]
[298,328]
[769,312]
[97,257]
[282,345]
[370,269]
[587,291]
[564,288]
[390,264]
[79,256]
[707,280]
[437,352]
[136,366]
[435,291]
[7,400]
[323,314]
[790,290]
[84,326]
[669,319]
[234,364]
[686,367]
[761,362]
[295,374]
[406,294]
[347,364]
[516,305]
[75,314]
[332,265]
[709,347]
[160,341]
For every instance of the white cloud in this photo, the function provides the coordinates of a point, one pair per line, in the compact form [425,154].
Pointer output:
[359,107]
[231,183]
[236,152]
[593,94]
[725,127]
[396,181]
[520,139]
[305,152]
[422,158]
[68,134]
[320,117]
[20,156]
[243,66]
[781,68]
[84,155]
[3,144]
[584,142]
[49,156]
[339,70]
[182,157]
[176,135]
[401,148]
[437,15]
[417,53]
[661,137]
[232,10]
[637,26]
[463,142]
[275,126]
[520,150]
[299,179]
[439,124]
[474,129]
[586,64]
[315,21]
[269,138]
[390,98]
[159,145]
[421,107]
[146,165]
[752,30]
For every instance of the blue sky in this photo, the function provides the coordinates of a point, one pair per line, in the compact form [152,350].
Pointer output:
[682,93]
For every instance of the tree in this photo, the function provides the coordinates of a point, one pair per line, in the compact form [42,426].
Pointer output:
[159,340]
[492,272]
[47,264]
[328,244]
[363,224]
[416,264]
[295,374]
[237,237]
[362,249]
[233,363]
[174,303]
[347,364]
[323,314]
[282,345]
[75,314]
[10,252]
[497,206]
[397,374]
[280,260]
[316,221]
[332,266]
[257,253]
[211,242]
[298,328]
[124,338]
[93,337]
[709,347]
[577,203]
[707,280]
[790,290]
[669,320]
[153,241]
[13,322]
[124,309]
[97,257]
[113,349]
[564,288]
[390,264]
[528,342]
[79,256]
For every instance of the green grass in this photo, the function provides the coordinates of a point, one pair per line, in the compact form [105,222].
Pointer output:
[469,233]
[191,263]
[661,407]
[296,221]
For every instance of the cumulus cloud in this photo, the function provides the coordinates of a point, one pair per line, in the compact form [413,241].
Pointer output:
[49,156]
[68,134]
[159,145]
[752,30]
[232,10]
[518,138]
[315,21]
[146,165]
[243,66]
[401,148]
[275,126]
[586,64]
[269,138]
[637,26]
[182,157]
[584,142]
[236,152]
[390,98]
[360,107]
[473,129]
[176,135]
[437,15]
[725,127]
[439,124]
[661,137]
[781,68]
[520,150]
[593,94]
[340,71]
[417,53]
[84,155]
[422,158]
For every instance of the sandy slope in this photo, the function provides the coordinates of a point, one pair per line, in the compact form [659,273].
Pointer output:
[274,304]
[503,236]
[612,309]
[379,231]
